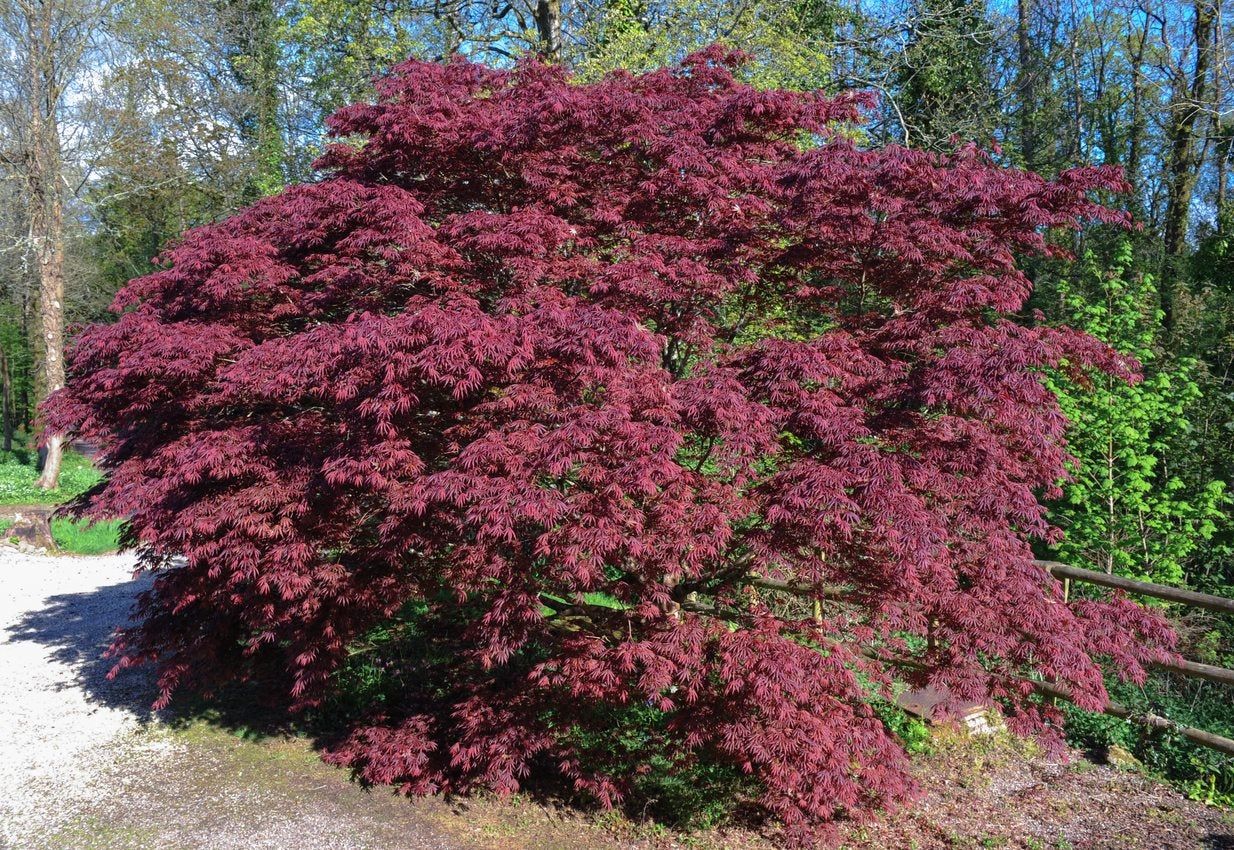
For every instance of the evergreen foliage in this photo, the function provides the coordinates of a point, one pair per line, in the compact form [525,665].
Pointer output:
[944,83]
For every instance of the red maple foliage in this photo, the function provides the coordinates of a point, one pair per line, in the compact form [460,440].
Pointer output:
[582,368]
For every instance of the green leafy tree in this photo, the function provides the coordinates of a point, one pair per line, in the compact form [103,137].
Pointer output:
[944,75]
[790,41]
[253,52]
[1128,510]
[334,49]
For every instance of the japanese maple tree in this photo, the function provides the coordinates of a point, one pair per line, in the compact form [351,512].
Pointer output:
[659,391]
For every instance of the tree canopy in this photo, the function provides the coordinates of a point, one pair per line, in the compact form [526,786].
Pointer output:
[576,373]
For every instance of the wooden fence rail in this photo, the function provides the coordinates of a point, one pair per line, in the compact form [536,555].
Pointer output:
[1198,736]
[1063,571]
[1196,670]
[1143,588]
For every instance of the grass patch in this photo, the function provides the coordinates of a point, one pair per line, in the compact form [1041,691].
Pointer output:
[18,474]
[80,537]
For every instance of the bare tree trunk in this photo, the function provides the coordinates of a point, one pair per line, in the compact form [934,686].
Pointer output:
[1223,167]
[1219,135]
[23,392]
[1075,145]
[50,248]
[44,180]
[23,401]
[548,28]
[6,399]
[1138,131]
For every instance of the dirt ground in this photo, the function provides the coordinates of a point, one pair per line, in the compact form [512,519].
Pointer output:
[83,766]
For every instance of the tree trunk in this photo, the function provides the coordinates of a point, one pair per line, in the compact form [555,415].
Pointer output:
[25,375]
[23,401]
[51,323]
[270,148]
[6,399]
[43,185]
[1186,110]
[1137,132]
[548,28]
[1075,145]
[1220,139]
[1027,85]
[1183,163]
[1223,166]
[254,54]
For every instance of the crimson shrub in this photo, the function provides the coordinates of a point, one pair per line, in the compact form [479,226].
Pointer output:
[578,368]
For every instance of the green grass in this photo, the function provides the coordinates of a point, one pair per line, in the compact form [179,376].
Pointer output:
[77,474]
[17,477]
[82,538]
[79,537]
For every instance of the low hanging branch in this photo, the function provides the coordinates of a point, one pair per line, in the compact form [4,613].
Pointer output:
[1183,667]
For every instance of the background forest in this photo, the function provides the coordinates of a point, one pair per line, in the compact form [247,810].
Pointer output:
[124,122]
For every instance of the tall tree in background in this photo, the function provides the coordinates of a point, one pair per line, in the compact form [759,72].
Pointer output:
[945,87]
[48,41]
[335,48]
[45,200]
[1137,41]
[1027,70]
[253,35]
[791,43]
[1190,109]
[547,16]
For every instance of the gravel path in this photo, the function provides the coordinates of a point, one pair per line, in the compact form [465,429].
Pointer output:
[58,711]
[83,765]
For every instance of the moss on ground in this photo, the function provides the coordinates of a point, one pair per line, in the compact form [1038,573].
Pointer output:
[94,832]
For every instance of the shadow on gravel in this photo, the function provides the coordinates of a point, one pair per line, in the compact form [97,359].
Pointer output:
[77,627]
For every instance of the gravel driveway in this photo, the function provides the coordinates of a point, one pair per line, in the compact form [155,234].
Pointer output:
[83,765]
[59,713]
